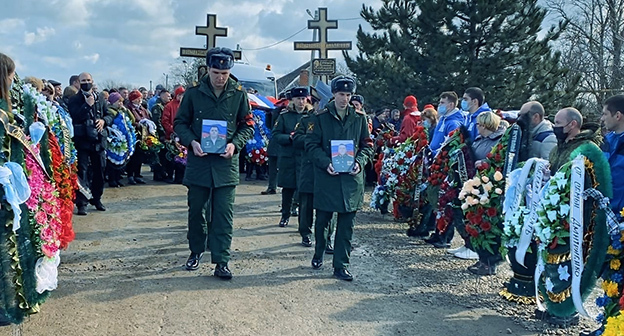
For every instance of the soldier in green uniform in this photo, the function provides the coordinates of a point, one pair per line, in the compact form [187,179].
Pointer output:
[289,159]
[334,192]
[305,186]
[157,111]
[212,178]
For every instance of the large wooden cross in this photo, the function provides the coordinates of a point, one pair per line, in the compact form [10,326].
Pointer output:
[211,31]
[322,45]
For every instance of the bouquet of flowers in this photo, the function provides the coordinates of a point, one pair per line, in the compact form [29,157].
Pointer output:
[149,141]
[257,146]
[121,139]
[445,181]
[396,163]
[482,199]
[612,301]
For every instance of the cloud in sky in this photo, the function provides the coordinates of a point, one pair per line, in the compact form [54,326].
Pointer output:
[137,41]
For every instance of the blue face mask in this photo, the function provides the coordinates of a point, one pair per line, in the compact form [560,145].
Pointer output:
[464,105]
[442,109]
[426,124]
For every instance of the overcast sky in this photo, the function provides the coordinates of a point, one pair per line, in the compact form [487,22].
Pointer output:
[137,41]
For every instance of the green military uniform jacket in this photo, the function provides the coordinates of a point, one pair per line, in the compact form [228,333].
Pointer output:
[305,178]
[199,103]
[344,192]
[157,112]
[289,159]
[560,155]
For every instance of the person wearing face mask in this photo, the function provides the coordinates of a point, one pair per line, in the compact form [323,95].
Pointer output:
[473,102]
[540,138]
[90,118]
[430,120]
[450,119]
[133,168]
[570,135]
[613,147]
[342,193]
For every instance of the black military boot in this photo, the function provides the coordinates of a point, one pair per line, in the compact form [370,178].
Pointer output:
[283,222]
[223,272]
[192,263]
[343,274]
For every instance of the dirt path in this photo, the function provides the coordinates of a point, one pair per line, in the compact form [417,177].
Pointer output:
[124,276]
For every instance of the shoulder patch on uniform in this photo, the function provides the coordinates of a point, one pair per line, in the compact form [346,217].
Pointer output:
[239,87]
[284,111]
[325,110]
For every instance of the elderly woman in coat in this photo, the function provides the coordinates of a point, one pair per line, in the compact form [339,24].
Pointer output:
[491,129]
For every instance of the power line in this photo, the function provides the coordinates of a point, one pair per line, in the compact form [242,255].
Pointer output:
[276,43]
[293,35]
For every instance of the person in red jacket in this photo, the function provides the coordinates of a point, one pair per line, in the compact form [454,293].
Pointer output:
[169,113]
[411,119]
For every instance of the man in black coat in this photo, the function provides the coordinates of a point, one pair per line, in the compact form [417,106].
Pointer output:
[90,118]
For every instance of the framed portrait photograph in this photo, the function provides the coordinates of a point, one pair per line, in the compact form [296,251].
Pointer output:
[343,155]
[213,139]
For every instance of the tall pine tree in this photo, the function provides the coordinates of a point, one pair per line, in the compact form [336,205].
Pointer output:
[424,47]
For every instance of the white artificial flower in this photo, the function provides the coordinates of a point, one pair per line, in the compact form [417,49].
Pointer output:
[554,199]
[552,215]
[563,273]
[549,285]
[564,209]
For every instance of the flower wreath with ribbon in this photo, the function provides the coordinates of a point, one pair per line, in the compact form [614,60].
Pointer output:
[451,167]
[572,232]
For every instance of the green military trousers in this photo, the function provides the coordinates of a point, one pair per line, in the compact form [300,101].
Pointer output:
[215,227]
[306,217]
[342,242]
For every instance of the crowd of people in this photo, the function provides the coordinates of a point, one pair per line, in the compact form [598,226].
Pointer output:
[514,186]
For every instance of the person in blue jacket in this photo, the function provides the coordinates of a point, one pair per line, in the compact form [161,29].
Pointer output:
[613,147]
[450,119]
[473,102]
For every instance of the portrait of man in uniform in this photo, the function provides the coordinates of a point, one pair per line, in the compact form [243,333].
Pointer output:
[342,155]
[213,139]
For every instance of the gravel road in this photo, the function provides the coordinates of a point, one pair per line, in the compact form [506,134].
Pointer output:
[124,275]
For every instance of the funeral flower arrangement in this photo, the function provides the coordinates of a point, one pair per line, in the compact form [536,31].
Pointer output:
[451,166]
[612,301]
[482,198]
[257,146]
[412,181]
[121,139]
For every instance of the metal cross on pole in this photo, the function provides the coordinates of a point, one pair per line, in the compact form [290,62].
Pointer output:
[211,31]
[323,66]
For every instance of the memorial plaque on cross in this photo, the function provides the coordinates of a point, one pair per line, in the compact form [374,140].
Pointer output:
[211,31]
[322,45]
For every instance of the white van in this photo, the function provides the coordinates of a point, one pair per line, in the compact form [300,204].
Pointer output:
[255,78]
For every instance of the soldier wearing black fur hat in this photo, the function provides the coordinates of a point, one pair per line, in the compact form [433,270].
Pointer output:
[342,193]
[289,158]
[212,178]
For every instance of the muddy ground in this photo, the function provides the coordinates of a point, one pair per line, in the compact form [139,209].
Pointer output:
[124,275]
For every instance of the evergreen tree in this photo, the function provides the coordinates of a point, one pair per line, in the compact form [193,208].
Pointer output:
[425,47]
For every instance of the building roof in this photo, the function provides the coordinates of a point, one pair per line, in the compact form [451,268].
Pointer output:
[284,81]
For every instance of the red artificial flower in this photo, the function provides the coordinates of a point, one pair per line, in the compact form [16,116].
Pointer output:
[491,212]
[489,155]
[471,231]
[566,225]
[498,157]
[553,245]
[409,155]
[400,162]
[622,302]
[485,226]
